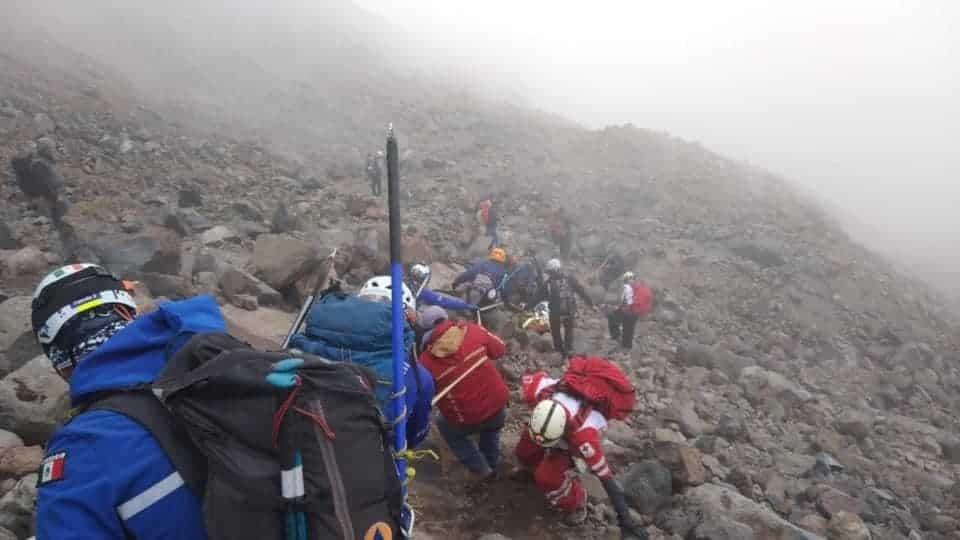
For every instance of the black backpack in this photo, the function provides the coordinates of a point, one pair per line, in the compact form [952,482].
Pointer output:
[235,438]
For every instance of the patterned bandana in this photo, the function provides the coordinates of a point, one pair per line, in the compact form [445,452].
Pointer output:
[89,334]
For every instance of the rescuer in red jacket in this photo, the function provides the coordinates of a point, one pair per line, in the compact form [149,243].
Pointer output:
[476,403]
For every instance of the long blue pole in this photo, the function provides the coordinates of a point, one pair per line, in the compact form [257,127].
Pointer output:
[396,304]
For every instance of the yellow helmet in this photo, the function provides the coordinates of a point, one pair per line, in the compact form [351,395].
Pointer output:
[498,255]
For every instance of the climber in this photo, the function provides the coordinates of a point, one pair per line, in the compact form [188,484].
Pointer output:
[520,286]
[488,219]
[483,278]
[38,179]
[564,436]
[419,277]
[357,329]
[559,290]
[561,231]
[636,301]
[103,474]
[460,357]
[374,173]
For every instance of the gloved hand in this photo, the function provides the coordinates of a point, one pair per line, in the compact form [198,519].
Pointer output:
[630,530]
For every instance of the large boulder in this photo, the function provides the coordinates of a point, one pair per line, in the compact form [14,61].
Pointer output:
[684,415]
[16,507]
[289,265]
[684,462]
[20,460]
[847,526]
[219,235]
[157,250]
[761,385]
[713,500]
[7,239]
[32,400]
[648,486]
[9,439]
[25,262]
[14,325]
[236,283]
[694,354]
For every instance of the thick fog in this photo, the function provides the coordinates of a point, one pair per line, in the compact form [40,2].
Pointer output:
[858,100]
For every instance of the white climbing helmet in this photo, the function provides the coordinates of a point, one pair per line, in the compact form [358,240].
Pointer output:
[628,276]
[554,266]
[548,422]
[379,288]
[420,271]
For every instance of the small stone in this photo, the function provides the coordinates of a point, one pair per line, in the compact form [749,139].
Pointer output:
[668,435]
[245,301]
[854,424]
[721,528]
[683,461]
[218,235]
[847,526]
[813,523]
[832,501]
[189,198]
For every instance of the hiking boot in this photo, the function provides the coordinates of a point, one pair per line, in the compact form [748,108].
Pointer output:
[576,518]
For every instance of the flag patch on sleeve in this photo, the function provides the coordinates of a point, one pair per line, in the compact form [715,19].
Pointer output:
[52,467]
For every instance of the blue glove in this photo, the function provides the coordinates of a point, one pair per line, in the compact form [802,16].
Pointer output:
[284,374]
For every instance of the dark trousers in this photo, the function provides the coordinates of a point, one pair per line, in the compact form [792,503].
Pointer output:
[622,327]
[481,458]
[376,184]
[561,329]
[494,237]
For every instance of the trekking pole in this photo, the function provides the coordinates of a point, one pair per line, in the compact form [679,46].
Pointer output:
[307,304]
[456,381]
[486,308]
[397,319]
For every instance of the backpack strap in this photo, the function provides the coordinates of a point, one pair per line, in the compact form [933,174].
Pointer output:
[577,421]
[141,406]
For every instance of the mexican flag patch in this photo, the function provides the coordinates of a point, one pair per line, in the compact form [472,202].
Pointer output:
[51,468]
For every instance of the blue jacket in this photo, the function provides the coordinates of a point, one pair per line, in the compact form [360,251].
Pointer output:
[351,329]
[116,482]
[432,298]
[491,269]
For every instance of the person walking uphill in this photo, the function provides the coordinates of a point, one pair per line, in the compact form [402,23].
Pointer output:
[374,173]
[636,301]
[488,218]
[564,436]
[104,475]
[460,357]
[560,290]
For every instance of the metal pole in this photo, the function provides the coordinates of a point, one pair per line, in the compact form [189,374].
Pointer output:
[396,275]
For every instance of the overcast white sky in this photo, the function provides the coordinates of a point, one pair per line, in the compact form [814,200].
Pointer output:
[859,99]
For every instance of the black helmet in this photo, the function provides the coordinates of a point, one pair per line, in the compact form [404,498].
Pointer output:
[70,292]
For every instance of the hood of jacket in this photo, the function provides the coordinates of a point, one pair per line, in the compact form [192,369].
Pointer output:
[136,354]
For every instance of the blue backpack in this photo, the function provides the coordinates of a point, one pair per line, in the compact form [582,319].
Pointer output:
[346,328]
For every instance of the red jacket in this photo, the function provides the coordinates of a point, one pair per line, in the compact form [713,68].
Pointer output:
[452,349]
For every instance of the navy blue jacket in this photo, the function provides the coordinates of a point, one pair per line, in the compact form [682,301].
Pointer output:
[115,482]
[492,269]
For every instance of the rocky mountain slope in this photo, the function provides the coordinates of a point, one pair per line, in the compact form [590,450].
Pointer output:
[792,384]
